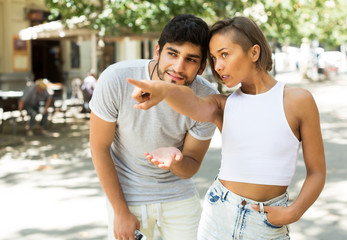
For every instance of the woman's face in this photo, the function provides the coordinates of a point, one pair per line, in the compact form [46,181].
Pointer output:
[233,65]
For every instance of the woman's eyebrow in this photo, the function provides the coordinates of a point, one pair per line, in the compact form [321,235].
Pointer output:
[221,49]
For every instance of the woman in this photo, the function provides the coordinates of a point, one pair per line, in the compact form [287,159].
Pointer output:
[262,124]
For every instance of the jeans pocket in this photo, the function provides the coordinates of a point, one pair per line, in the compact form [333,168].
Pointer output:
[267,222]
[212,196]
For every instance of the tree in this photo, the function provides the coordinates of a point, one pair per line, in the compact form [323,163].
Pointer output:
[325,21]
[119,17]
[283,21]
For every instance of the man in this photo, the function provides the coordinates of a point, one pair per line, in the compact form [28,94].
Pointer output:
[141,194]
[34,97]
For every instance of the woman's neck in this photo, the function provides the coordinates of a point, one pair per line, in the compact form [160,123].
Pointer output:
[261,83]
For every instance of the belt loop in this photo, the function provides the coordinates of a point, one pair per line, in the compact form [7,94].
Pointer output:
[225,194]
[144,216]
[261,205]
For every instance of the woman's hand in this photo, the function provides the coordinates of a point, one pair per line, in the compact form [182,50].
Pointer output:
[278,215]
[148,93]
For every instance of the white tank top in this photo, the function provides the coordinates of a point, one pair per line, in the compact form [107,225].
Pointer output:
[258,145]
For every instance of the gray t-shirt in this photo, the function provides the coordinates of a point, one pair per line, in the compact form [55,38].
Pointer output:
[140,131]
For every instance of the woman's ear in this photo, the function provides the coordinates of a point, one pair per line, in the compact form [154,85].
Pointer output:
[156,53]
[254,52]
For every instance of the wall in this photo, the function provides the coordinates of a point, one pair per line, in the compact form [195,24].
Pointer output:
[2,37]
[12,20]
[128,49]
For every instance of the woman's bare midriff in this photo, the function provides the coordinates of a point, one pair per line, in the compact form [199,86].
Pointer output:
[256,192]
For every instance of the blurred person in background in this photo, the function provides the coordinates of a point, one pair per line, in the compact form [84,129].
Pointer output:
[34,99]
[87,88]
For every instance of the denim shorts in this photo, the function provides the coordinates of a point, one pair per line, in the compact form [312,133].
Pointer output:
[226,215]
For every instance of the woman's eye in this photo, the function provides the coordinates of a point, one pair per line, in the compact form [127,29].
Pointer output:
[224,55]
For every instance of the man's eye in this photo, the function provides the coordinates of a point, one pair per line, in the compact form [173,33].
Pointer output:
[172,54]
[191,60]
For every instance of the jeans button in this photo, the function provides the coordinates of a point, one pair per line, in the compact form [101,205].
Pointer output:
[243,202]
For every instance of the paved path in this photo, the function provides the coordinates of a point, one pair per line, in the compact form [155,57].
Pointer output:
[49,189]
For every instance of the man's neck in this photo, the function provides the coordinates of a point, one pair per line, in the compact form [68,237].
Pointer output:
[152,67]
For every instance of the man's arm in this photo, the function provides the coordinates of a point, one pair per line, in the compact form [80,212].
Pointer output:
[101,137]
[48,103]
[20,107]
[193,152]
[185,164]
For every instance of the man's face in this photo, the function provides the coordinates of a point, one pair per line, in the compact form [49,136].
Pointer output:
[179,63]
[39,90]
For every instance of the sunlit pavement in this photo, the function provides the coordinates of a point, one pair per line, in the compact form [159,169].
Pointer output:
[49,189]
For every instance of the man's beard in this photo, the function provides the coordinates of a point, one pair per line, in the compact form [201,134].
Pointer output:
[161,75]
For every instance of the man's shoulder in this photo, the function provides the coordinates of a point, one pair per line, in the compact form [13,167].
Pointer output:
[30,90]
[202,85]
[129,64]
[118,72]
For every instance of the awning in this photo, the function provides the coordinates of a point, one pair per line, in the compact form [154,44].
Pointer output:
[56,30]
[75,27]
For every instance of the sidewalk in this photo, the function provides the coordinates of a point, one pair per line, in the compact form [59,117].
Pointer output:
[49,189]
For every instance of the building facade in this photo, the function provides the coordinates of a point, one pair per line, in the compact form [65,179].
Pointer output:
[33,48]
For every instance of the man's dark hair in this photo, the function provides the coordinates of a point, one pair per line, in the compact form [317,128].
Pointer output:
[186,28]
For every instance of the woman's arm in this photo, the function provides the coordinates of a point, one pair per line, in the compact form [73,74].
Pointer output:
[181,98]
[313,153]
[307,115]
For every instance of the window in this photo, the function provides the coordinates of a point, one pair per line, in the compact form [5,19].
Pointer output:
[74,55]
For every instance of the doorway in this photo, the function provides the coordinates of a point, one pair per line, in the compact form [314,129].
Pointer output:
[46,60]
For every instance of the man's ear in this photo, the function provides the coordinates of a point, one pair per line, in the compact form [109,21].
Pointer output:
[202,68]
[156,52]
[254,52]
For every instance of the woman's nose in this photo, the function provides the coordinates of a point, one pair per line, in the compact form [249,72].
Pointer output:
[218,66]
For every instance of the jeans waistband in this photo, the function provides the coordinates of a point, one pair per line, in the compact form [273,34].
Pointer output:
[227,194]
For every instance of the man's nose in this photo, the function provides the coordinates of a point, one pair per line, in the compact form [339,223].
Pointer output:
[179,65]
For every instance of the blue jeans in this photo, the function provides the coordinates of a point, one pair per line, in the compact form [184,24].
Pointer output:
[32,112]
[226,215]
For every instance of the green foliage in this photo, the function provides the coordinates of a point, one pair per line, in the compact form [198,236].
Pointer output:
[116,17]
[283,21]
[325,21]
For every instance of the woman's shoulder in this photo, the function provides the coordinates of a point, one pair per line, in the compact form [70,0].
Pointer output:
[297,94]
[218,100]
[300,101]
